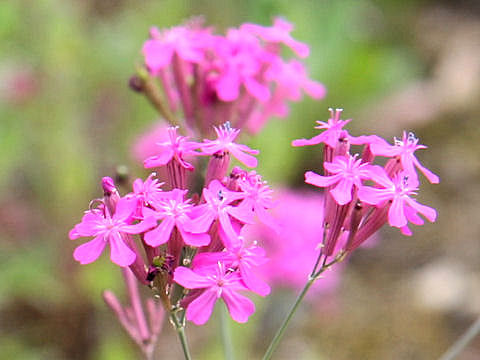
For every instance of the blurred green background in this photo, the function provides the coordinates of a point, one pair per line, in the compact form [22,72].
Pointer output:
[67,118]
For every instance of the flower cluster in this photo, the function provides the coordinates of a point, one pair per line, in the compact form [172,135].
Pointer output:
[190,241]
[239,77]
[360,196]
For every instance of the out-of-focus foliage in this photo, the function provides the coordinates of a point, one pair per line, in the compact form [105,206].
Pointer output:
[67,118]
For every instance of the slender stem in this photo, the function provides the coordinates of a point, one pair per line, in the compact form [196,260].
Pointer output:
[226,335]
[311,279]
[281,330]
[180,329]
[462,342]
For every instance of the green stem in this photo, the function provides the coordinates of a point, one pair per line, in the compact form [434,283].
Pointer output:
[462,342]
[283,327]
[180,329]
[226,334]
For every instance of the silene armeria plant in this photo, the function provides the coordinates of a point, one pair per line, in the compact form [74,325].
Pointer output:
[181,232]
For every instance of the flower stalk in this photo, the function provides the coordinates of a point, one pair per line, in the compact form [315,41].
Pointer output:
[179,326]
[315,275]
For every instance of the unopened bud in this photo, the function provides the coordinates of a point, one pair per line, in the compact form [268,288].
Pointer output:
[110,194]
[135,83]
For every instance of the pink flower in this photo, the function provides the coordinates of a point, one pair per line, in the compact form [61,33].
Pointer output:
[217,283]
[147,192]
[111,229]
[405,149]
[185,42]
[291,78]
[174,211]
[244,258]
[258,198]
[278,33]
[176,148]
[218,199]
[332,127]
[242,58]
[224,142]
[347,172]
[397,191]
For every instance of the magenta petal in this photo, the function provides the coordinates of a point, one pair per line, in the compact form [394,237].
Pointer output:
[406,231]
[73,234]
[257,90]
[161,234]
[161,159]
[320,181]
[226,225]
[434,179]
[412,216]
[120,253]
[125,208]
[228,86]
[189,279]
[90,251]
[428,212]
[246,159]
[253,282]
[89,225]
[244,214]
[212,258]
[314,89]
[383,148]
[141,227]
[157,55]
[320,138]
[378,174]
[396,214]
[302,50]
[342,193]
[196,240]
[372,196]
[267,219]
[200,309]
[202,223]
[239,306]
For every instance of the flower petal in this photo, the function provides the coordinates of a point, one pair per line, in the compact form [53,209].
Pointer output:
[239,306]
[200,309]
[396,214]
[90,251]
[342,193]
[190,279]
[161,234]
[120,253]
[319,180]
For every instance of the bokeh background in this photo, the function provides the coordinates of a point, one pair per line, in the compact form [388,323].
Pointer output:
[67,118]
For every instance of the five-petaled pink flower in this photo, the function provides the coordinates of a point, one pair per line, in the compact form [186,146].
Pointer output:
[332,127]
[180,40]
[174,211]
[405,149]
[217,207]
[258,198]
[217,282]
[402,208]
[244,258]
[278,33]
[111,229]
[176,148]
[347,172]
[224,142]
[148,191]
